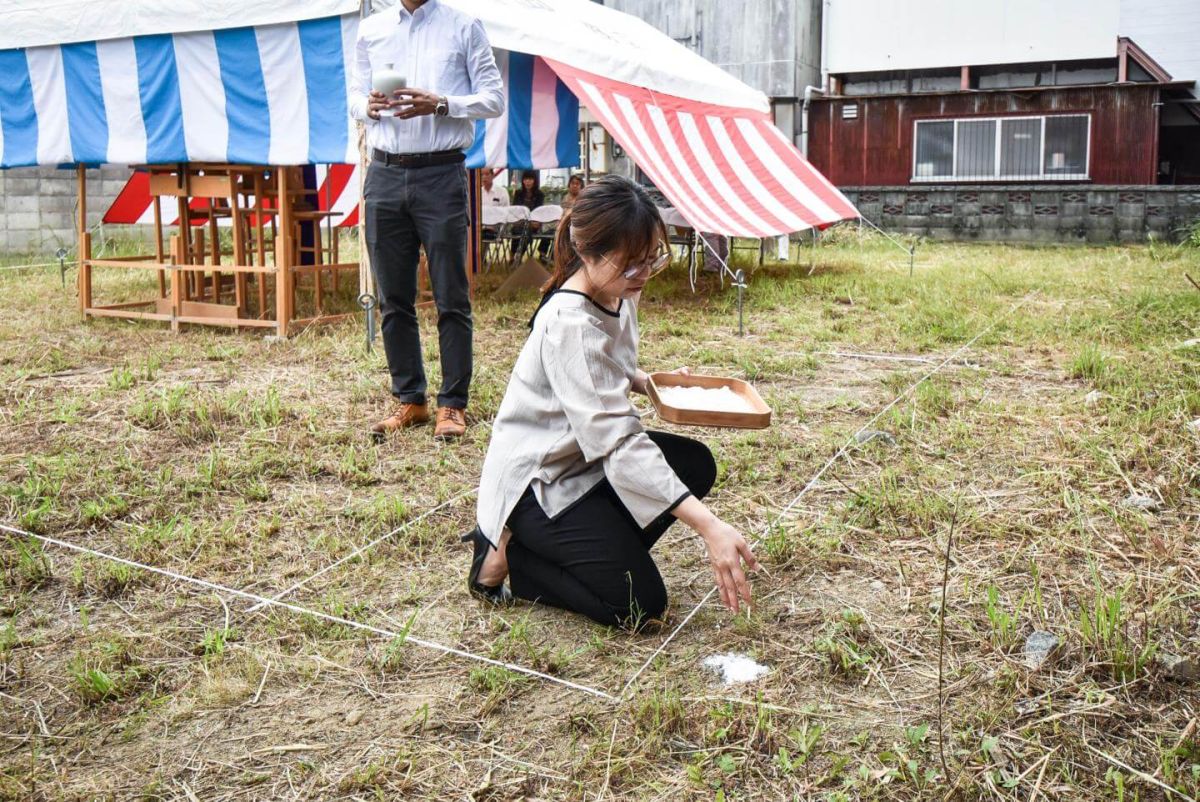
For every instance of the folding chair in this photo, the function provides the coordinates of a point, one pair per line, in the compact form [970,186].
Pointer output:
[514,233]
[548,216]
[495,221]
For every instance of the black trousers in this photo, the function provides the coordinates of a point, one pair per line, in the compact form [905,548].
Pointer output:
[593,558]
[406,208]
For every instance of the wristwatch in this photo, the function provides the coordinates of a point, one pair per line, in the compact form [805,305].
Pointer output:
[442,108]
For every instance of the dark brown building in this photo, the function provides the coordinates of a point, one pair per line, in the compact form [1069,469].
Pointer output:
[1096,150]
[1016,124]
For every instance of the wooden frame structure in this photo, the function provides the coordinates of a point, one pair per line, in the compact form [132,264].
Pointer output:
[194,279]
[191,277]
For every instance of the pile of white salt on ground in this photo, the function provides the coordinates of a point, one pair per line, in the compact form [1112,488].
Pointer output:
[735,668]
[709,399]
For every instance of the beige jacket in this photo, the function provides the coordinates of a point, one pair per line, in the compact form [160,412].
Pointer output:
[567,422]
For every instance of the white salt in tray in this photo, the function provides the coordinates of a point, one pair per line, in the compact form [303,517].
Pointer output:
[708,401]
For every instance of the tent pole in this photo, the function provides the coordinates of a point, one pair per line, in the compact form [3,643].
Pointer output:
[587,153]
[475,234]
[283,255]
[333,274]
[159,254]
[84,246]
[177,279]
[366,281]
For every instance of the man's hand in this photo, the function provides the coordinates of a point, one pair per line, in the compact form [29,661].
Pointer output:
[376,102]
[415,103]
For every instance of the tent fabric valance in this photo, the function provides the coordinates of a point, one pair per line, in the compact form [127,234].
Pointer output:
[233,96]
[38,23]
[270,94]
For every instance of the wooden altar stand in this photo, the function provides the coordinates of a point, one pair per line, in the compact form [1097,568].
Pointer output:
[253,285]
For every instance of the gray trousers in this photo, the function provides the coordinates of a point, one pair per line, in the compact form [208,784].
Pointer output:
[407,207]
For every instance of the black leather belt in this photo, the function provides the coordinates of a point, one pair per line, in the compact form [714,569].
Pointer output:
[418,159]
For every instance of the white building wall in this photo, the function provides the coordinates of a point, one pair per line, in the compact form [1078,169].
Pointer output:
[1169,31]
[871,35]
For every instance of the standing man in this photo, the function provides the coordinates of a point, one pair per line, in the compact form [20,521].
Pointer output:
[416,190]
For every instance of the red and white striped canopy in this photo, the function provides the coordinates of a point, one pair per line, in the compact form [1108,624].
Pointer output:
[727,170]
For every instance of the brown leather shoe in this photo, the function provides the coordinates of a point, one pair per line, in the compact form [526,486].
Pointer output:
[406,415]
[451,423]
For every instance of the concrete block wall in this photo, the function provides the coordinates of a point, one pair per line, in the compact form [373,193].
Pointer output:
[37,207]
[1075,213]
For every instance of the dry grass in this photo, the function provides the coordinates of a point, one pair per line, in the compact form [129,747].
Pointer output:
[244,462]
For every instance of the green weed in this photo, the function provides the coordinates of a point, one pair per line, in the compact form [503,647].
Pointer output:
[1104,628]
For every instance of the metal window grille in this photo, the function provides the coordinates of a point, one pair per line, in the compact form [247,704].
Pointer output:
[935,149]
[975,150]
[1042,148]
[1066,146]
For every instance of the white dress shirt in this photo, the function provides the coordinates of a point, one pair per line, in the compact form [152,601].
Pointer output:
[566,421]
[436,48]
[496,196]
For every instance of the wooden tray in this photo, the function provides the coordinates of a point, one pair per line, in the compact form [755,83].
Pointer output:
[760,418]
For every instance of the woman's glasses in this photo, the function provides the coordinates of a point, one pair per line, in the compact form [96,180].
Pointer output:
[652,266]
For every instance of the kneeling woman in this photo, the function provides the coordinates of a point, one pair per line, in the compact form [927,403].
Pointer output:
[574,491]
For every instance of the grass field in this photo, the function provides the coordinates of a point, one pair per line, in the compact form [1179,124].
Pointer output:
[243,461]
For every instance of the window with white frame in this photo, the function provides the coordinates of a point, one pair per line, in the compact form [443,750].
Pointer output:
[1043,148]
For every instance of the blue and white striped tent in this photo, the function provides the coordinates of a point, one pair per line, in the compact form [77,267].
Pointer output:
[273,92]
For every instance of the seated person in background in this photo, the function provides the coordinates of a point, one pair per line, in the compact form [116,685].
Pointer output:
[493,195]
[573,187]
[529,195]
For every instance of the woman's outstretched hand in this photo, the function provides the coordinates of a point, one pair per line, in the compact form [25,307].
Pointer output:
[726,551]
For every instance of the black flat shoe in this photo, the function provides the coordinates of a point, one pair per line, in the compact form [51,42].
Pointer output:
[498,595]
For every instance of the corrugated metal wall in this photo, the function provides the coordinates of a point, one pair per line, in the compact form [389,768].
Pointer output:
[876,148]
[772,45]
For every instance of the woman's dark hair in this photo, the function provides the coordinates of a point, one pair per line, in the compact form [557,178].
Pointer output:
[611,214]
[576,177]
[531,197]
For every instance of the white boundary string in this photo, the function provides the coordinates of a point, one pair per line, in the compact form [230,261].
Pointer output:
[361,549]
[295,608]
[724,265]
[812,482]
[262,601]
[66,263]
